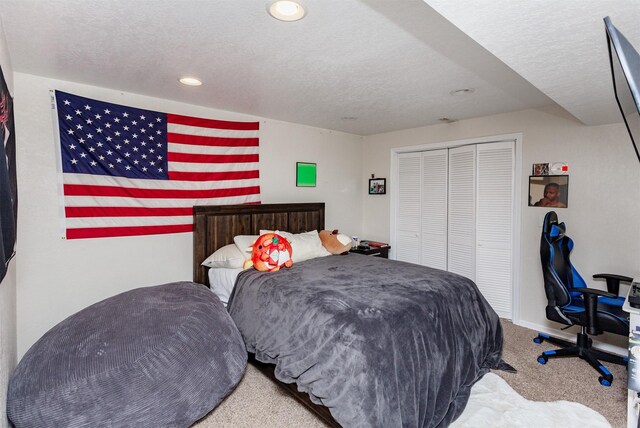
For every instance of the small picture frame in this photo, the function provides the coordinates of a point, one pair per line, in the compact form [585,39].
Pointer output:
[377,186]
[306,174]
[540,169]
[550,191]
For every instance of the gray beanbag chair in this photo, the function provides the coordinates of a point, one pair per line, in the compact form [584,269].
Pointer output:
[160,356]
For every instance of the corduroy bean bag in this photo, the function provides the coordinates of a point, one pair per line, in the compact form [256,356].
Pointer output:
[160,356]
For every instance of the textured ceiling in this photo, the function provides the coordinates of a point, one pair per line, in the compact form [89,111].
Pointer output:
[389,63]
[558,46]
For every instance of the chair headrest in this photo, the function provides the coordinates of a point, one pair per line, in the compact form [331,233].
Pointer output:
[550,219]
[552,228]
[557,231]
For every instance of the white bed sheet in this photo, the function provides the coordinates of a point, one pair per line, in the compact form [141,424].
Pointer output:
[222,281]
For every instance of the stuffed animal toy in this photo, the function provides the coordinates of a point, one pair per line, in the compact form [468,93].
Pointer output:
[270,252]
[334,242]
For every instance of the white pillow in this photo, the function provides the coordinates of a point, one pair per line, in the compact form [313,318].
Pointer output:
[222,282]
[226,257]
[304,246]
[243,244]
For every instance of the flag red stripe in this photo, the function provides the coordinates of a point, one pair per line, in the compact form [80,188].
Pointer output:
[125,212]
[211,123]
[128,192]
[198,140]
[213,176]
[104,232]
[197,158]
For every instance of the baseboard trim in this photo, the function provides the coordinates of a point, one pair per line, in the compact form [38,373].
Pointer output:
[572,337]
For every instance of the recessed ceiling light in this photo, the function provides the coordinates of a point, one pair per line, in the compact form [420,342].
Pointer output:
[190,81]
[464,91]
[286,10]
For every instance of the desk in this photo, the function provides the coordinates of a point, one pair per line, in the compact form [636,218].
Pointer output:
[633,374]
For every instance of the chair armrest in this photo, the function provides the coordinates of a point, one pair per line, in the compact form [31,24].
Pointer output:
[595,292]
[613,281]
[591,307]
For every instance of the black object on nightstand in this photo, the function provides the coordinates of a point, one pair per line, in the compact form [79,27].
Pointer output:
[372,251]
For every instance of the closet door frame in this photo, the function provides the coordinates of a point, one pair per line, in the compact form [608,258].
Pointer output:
[517,198]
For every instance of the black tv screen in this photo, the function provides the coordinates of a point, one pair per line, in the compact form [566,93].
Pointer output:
[625,68]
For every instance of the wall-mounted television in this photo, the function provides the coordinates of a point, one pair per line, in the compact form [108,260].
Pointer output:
[625,68]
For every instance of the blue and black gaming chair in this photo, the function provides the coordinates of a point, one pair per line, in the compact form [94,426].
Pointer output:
[570,302]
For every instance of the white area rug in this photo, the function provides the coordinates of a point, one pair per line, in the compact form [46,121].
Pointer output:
[493,403]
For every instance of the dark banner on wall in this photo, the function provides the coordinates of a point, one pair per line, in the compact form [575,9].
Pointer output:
[8,184]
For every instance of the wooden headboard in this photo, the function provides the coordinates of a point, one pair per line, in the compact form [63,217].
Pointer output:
[215,226]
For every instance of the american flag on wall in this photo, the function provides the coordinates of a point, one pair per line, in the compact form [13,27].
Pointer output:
[128,171]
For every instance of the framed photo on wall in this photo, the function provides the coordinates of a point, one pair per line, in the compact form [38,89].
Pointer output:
[550,191]
[377,186]
[540,169]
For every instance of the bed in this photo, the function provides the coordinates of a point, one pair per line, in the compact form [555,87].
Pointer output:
[361,341]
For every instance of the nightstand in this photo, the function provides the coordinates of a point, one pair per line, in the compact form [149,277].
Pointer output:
[371,251]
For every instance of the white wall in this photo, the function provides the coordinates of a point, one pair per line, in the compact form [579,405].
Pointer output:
[58,277]
[8,285]
[604,191]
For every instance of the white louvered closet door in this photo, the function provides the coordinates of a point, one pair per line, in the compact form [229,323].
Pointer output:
[434,208]
[462,215]
[494,224]
[408,240]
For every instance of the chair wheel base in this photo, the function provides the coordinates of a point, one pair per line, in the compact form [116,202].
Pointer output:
[604,381]
[583,350]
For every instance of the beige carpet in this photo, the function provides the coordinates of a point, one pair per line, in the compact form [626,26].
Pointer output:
[258,402]
[569,379]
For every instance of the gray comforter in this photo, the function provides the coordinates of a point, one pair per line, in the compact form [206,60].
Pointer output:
[380,343]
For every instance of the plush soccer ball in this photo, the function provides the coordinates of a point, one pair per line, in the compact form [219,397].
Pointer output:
[334,242]
[270,252]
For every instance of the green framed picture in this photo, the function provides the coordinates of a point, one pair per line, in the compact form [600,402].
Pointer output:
[305,174]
